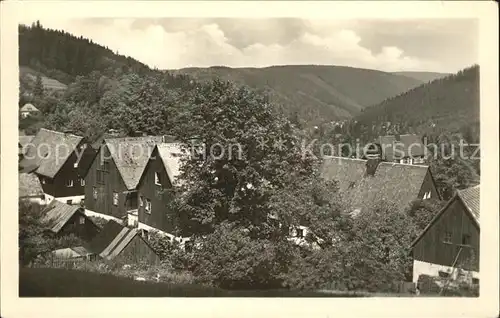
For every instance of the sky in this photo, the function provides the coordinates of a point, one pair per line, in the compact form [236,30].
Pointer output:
[436,45]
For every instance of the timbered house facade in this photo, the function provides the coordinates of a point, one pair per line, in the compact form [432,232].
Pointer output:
[160,175]
[111,183]
[61,161]
[451,239]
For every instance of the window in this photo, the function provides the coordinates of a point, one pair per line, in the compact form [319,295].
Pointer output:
[447,237]
[141,200]
[157,178]
[465,239]
[81,220]
[101,171]
[300,233]
[43,180]
[94,193]
[115,198]
[82,182]
[148,206]
[69,183]
[427,195]
[69,202]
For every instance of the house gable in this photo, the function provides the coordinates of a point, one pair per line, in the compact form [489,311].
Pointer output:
[444,237]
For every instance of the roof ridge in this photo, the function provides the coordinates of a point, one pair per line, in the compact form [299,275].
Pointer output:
[343,158]
[60,132]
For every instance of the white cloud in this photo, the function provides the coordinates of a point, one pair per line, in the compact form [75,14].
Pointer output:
[324,42]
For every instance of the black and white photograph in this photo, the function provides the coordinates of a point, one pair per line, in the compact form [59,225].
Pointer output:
[264,157]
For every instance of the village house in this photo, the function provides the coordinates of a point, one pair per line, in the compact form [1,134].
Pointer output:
[122,244]
[28,110]
[451,239]
[160,175]
[111,182]
[366,182]
[61,161]
[63,219]
[30,188]
[402,149]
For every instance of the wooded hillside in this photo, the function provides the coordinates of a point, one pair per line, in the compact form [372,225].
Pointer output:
[314,93]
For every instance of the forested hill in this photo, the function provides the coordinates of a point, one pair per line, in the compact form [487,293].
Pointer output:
[448,104]
[62,56]
[315,93]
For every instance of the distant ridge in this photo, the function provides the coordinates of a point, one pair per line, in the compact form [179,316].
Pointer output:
[314,93]
[424,77]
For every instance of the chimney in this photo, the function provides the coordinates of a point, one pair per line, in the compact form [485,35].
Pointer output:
[371,166]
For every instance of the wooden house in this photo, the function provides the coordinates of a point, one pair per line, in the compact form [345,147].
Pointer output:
[61,161]
[160,175]
[111,182]
[451,239]
[366,182]
[30,188]
[28,110]
[402,149]
[62,219]
[122,244]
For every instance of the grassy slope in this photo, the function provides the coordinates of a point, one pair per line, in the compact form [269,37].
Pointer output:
[48,83]
[424,77]
[318,93]
[450,103]
[50,282]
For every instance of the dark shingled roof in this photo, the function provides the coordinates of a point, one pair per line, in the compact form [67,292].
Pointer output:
[49,150]
[470,198]
[57,214]
[29,186]
[131,154]
[393,183]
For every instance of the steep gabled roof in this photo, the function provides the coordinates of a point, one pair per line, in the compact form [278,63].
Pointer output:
[392,183]
[57,214]
[112,240]
[29,108]
[131,155]
[49,150]
[171,155]
[470,199]
[29,186]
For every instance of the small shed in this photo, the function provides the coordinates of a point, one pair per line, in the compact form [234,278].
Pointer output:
[28,109]
[60,219]
[118,243]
